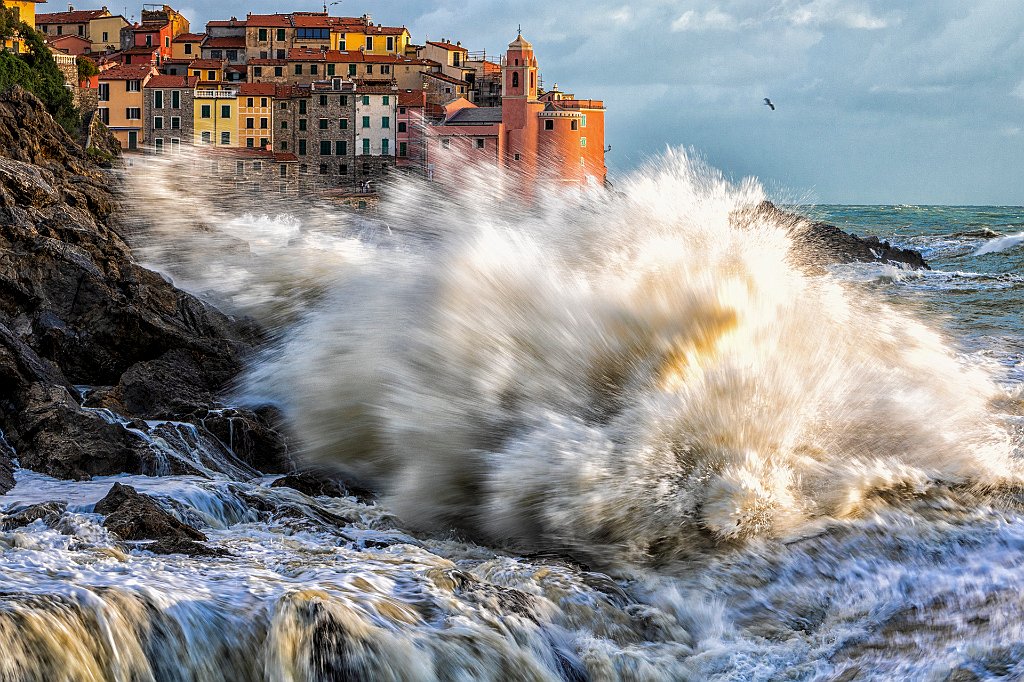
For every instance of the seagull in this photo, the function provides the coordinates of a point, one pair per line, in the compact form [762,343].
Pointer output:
[768,103]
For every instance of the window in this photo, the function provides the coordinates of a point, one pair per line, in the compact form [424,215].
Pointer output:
[366,146]
[385,122]
[249,102]
[303,168]
[158,99]
[323,124]
[369,68]
[284,145]
[263,102]
[134,86]
[279,54]
[283,170]
[250,143]
[60,30]
[323,169]
[158,123]
[366,121]
[366,100]
[343,100]
[298,69]
[133,113]
[284,105]
[341,148]
[302,124]
[325,148]
[402,149]
[264,123]
[250,123]
[211,75]
[302,106]
[206,136]
[351,69]
[149,41]
[264,143]
[583,142]
[330,69]
[369,43]
[515,79]
[280,34]
[479,143]
[323,100]
[446,143]
[232,55]
[175,144]
[175,123]
[104,94]
[583,121]
[549,124]
[402,127]
[176,99]
[167,41]
[343,169]
[313,69]
[104,115]
[225,138]
[239,167]
[313,34]
[341,44]
[516,157]
[391,44]
[106,36]
[81,30]
[263,35]
[387,100]
[278,71]
[188,47]
[302,147]
[225,111]
[343,124]
[159,144]
[574,124]
[216,54]
[284,125]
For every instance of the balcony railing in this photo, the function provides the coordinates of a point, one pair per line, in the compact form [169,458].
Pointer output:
[216,94]
[65,59]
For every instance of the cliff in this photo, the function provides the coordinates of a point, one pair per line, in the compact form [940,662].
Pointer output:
[76,310]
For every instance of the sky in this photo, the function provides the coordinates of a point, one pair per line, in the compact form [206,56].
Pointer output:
[916,102]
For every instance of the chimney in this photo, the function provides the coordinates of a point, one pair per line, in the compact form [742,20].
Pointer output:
[71,8]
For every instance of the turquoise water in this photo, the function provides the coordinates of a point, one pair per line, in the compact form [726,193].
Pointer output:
[976,288]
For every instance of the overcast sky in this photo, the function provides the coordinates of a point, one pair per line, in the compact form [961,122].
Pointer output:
[877,102]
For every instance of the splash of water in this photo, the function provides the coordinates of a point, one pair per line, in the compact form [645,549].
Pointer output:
[625,376]
[1000,244]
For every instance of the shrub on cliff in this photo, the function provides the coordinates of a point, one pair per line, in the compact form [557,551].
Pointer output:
[36,71]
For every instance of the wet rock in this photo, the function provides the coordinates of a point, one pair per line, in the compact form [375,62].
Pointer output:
[49,512]
[135,516]
[319,484]
[818,244]
[182,546]
[257,437]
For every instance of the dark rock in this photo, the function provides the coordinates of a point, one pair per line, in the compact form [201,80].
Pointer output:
[319,484]
[134,516]
[257,437]
[819,244]
[49,512]
[182,546]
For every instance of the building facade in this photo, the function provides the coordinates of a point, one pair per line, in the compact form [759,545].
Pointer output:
[121,102]
[168,105]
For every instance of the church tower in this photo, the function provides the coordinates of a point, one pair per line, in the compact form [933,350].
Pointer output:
[520,72]
[519,107]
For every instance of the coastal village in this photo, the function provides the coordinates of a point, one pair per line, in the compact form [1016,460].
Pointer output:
[301,102]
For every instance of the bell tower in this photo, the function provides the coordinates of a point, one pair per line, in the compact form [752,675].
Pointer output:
[520,70]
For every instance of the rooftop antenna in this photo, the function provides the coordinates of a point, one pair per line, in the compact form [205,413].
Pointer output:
[520,30]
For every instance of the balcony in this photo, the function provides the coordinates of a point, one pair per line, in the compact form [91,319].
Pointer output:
[216,94]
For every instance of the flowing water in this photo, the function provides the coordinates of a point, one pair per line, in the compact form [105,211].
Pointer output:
[616,435]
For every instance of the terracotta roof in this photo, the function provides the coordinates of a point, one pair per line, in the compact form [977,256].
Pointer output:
[233,22]
[163,81]
[126,72]
[412,98]
[289,91]
[376,90]
[53,40]
[225,42]
[257,89]
[189,38]
[205,64]
[386,30]
[74,17]
[269,20]
[141,49]
[447,46]
[240,68]
[257,61]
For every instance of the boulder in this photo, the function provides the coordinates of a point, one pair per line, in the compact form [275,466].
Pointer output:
[320,484]
[257,437]
[49,512]
[135,516]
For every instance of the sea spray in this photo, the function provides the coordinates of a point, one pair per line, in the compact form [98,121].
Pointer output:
[625,376]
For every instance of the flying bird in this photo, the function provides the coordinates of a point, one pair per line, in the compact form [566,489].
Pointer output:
[768,103]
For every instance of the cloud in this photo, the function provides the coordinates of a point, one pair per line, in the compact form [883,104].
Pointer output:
[712,20]
[621,15]
[835,13]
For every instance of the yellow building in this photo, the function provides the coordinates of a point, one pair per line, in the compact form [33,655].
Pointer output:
[121,102]
[208,70]
[24,10]
[101,28]
[187,46]
[371,39]
[216,115]
[256,114]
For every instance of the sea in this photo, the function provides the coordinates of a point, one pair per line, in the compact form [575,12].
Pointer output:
[616,436]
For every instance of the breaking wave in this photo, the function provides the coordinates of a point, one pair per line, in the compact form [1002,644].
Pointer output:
[627,376]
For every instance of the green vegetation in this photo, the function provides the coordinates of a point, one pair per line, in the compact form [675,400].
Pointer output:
[35,71]
[87,69]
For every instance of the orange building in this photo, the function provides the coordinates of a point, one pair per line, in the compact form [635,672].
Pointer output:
[548,137]
[121,102]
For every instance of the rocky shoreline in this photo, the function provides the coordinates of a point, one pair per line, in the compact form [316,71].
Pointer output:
[102,360]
